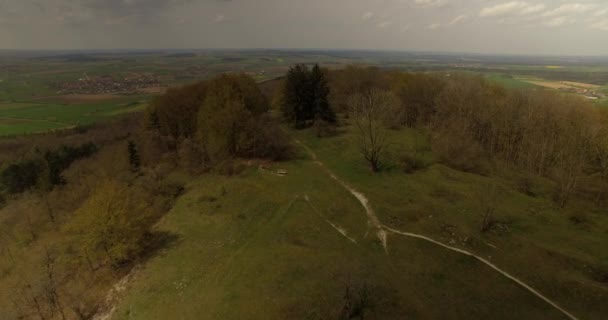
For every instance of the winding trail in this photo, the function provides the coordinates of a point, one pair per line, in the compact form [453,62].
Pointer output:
[107,309]
[383,230]
[372,219]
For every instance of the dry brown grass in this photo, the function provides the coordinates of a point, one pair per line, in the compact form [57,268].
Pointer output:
[560,84]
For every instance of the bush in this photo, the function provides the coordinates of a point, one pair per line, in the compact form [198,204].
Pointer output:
[411,163]
[324,129]
[579,217]
[264,139]
[230,168]
[461,154]
[21,176]
[114,222]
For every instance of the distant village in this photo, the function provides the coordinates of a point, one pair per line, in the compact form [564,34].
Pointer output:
[108,84]
[587,93]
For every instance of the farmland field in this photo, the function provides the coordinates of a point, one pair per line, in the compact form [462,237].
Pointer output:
[509,81]
[559,84]
[21,118]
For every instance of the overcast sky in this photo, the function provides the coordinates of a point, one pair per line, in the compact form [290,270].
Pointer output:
[490,26]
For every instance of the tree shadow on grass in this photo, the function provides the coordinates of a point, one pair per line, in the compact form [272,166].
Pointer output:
[157,243]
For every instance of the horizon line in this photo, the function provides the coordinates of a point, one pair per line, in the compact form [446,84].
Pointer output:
[445,52]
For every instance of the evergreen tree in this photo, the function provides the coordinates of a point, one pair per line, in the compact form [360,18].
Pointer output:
[305,96]
[320,87]
[297,98]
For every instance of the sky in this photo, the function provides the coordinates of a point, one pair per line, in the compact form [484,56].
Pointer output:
[559,27]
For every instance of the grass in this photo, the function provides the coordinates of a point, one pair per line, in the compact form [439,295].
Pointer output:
[251,247]
[542,245]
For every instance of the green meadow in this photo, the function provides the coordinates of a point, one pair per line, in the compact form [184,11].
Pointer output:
[263,246]
[24,118]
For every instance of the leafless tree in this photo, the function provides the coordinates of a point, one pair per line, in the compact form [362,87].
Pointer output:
[50,288]
[369,110]
[488,201]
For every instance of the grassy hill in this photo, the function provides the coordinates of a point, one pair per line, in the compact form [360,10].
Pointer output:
[211,206]
[253,247]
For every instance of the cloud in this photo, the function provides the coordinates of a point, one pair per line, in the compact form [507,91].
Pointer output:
[600,13]
[513,26]
[570,8]
[600,25]
[219,18]
[556,22]
[430,3]
[530,9]
[457,20]
[367,16]
[114,11]
[512,7]
[384,24]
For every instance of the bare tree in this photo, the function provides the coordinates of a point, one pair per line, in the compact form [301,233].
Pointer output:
[369,111]
[50,287]
[488,202]
[600,150]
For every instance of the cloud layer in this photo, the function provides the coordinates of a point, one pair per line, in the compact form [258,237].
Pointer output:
[502,26]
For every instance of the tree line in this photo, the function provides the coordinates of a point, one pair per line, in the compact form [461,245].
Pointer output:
[43,169]
[471,121]
[209,122]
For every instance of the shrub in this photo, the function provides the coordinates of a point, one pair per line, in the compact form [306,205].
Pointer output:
[113,223]
[22,176]
[264,139]
[412,163]
[525,185]
[2,200]
[324,129]
[461,154]
[230,168]
[579,217]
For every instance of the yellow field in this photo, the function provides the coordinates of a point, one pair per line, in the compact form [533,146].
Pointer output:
[560,84]
[581,85]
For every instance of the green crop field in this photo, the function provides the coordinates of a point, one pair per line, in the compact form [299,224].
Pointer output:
[509,81]
[23,118]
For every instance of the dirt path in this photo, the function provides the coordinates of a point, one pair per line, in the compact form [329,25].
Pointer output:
[106,311]
[489,264]
[383,230]
[372,219]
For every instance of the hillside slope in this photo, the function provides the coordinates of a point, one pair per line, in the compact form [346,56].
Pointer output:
[253,247]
